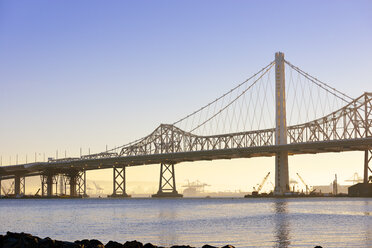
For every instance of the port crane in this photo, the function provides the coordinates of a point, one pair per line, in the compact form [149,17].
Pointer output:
[99,189]
[302,180]
[255,192]
[355,179]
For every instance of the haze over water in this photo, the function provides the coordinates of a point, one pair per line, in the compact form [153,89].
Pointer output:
[330,222]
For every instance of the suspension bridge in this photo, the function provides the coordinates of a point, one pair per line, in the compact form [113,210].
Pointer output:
[279,111]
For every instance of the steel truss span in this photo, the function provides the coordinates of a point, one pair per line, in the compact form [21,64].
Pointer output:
[347,129]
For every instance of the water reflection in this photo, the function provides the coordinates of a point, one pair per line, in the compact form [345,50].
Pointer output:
[281,224]
[167,235]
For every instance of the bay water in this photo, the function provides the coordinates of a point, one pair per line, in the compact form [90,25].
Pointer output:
[256,222]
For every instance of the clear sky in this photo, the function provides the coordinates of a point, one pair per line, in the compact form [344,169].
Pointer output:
[95,73]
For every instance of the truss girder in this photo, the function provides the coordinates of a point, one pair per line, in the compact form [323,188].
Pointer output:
[354,121]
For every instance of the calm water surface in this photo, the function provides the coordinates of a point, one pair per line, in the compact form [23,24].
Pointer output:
[330,222]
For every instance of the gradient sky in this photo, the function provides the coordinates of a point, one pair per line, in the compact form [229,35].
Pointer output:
[95,73]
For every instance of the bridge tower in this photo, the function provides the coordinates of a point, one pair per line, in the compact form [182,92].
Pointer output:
[167,182]
[119,182]
[281,157]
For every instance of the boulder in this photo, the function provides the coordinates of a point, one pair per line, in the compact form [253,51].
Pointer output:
[47,243]
[65,244]
[20,240]
[181,246]
[209,246]
[228,246]
[93,243]
[149,245]
[113,244]
[133,244]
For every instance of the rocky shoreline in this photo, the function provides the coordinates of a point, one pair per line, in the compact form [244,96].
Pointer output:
[25,240]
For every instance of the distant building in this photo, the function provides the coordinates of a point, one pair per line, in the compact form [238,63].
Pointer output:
[329,189]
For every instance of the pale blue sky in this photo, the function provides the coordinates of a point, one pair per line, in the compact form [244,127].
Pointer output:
[89,73]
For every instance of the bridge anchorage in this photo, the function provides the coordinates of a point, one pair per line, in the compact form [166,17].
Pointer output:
[296,114]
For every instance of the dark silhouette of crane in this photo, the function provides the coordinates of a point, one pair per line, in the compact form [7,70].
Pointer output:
[302,180]
[255,192]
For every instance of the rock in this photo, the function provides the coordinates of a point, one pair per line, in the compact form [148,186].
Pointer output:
[133,244]
[47,243]
[113,244]
[149,245]
[96,243]
[181,246]
[209,246]
[9,242]
[228,246]
[93,243]
[65,244]
[318,246]
[20,240]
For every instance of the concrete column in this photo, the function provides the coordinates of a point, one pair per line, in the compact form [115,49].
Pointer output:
[281,158]
[49,182]
[73,185]
[17,185]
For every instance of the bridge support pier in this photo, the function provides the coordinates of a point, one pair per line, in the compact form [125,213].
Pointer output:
[119,183]
[367,160]
[19,185]
[167,182]
[78,184]
[47,182]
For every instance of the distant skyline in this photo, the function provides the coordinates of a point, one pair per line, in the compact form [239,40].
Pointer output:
[89,74]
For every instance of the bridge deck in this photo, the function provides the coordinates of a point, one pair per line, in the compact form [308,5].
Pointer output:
[32,169]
